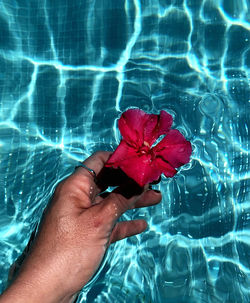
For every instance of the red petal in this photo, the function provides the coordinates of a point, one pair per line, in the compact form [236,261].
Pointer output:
[166,121]
[141,169]
[131,125]
[174,148]
[122,152]
[165,167]
[139,131]
[150,129]
[156,126]
[138,127]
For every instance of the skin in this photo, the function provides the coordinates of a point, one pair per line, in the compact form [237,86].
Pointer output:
[76,230]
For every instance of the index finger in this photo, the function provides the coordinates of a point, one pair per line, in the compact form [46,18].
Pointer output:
[95,162]
[106,176]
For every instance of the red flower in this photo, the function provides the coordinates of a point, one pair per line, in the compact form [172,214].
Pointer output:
[135,154]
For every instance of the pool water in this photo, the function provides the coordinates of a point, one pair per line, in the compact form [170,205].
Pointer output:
[67,71]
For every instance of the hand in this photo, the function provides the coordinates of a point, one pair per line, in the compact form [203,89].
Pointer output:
[77,228]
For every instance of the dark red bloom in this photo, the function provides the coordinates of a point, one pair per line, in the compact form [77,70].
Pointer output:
[135,154]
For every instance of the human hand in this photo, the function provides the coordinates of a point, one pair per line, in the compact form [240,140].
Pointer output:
[77,228]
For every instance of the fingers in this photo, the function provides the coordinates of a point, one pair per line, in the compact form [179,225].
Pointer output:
[126,229]
[112,207]
[148,198]
[124,198]
[107,176]
[95,162]
[128,195]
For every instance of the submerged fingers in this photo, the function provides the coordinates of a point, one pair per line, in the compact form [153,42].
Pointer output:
[123,198]
[148,198]
[127,229]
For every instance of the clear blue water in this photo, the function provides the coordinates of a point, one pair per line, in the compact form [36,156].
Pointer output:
[68,69]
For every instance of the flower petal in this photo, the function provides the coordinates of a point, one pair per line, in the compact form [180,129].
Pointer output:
[141,169]
[138,127]
[134,154]
[122,152]
[131,125]
[165,167]
[156,126]
[174,148]
[166,121]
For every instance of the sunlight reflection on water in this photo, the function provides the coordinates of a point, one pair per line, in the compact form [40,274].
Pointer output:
[68,71]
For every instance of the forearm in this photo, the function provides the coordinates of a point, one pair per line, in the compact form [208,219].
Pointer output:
[20,292]
[29,287]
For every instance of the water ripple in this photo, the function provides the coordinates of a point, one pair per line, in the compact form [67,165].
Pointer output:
[69,69]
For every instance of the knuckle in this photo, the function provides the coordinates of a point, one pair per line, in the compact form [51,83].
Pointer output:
[101,155]
[117,201]
[97,154]
[73,186]
[59,188]
[97,222]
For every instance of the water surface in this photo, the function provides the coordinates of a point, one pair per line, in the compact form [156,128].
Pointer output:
[67,71]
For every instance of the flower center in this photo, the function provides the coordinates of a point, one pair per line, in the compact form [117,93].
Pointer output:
[146,150]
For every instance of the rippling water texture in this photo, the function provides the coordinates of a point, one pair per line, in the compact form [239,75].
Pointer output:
[67,71]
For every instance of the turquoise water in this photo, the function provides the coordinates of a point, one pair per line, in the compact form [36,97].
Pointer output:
[67,71]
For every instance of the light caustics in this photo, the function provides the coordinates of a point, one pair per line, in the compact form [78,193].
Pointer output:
[60,100]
